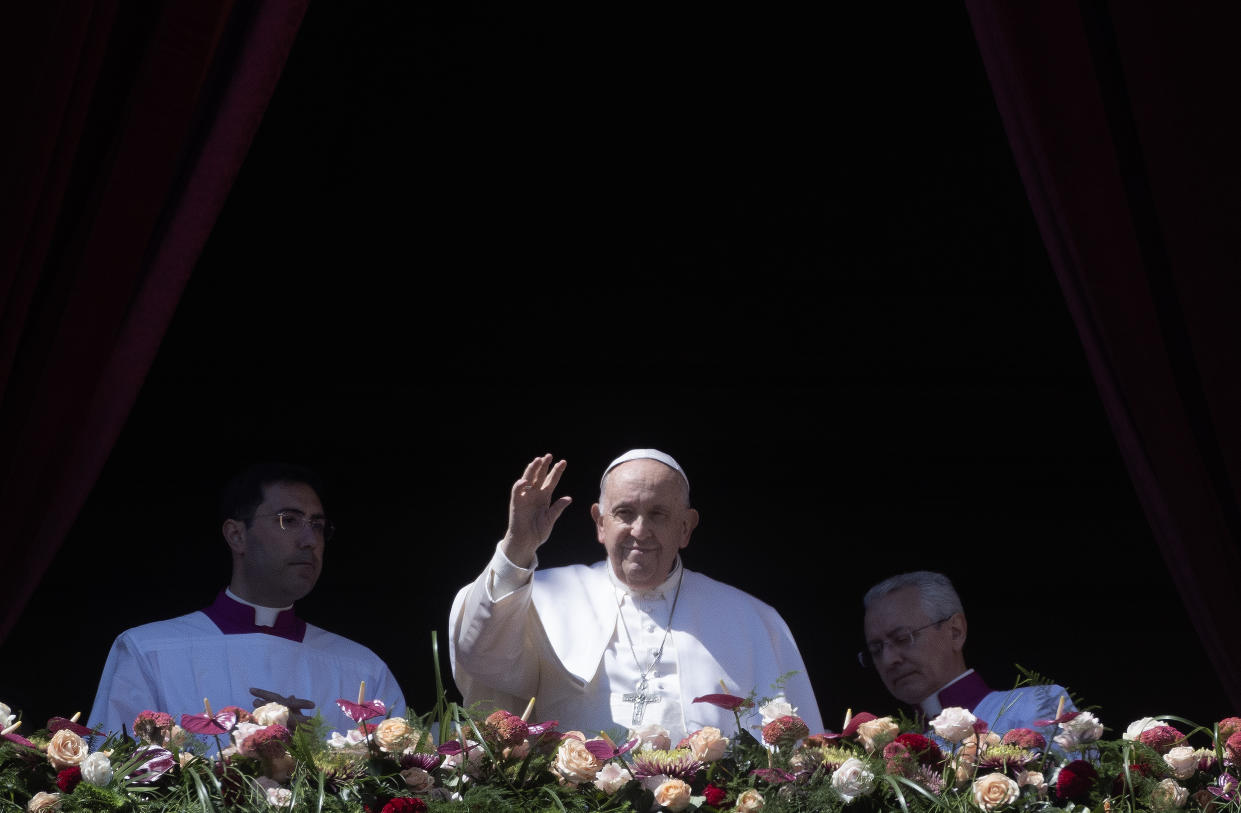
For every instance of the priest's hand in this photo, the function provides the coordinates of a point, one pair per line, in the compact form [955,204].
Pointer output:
[531,511]
[292,703]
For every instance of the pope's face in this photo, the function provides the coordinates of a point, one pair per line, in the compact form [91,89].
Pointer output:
[276,567]
[915,670]
[642,519]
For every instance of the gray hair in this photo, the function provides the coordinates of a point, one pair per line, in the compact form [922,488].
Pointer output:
[939,598]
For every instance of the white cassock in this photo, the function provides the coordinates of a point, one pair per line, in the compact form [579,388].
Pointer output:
[172,665]
[578,640]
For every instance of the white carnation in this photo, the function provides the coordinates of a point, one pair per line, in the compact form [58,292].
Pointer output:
[852,780]
[97,769]
[778,707]
[611,778]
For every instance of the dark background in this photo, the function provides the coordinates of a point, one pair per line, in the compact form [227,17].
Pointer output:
[789,248]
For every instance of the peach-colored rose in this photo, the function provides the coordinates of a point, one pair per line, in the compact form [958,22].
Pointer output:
[1033,779]
[750,801]
[1168,795]
[574,764]
[877,733]
[707,744]
[66,749]
[272,714]
[394,735]
[43,801]
[994,790]
[417,779]
[673,794]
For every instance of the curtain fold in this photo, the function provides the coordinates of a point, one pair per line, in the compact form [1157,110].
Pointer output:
[1122,124]
[131,123]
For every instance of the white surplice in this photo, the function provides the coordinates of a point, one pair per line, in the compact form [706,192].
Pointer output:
[554,635]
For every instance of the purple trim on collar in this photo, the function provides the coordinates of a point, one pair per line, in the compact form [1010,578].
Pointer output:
[966,693]
[235,618]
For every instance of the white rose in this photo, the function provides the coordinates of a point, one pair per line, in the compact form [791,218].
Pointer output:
[1136,728]
[271,714]
[750,801]
[1183,761]
[673,794]
[1168,795]
[97,769]
[954,724]
[777,708]
[276,794]
[1084,728]
[611,778]
[877,733]
[6,716]
[994,790]
[852,780]
[651,736]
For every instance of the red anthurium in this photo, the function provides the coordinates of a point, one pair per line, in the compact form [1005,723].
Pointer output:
[221,723]
[367,710]
[454,747]
[156,762]
[856,721]
[773,775]
[725,701]
[541,728]
[57,723]
[1063,718]
[603,750]
[20,740]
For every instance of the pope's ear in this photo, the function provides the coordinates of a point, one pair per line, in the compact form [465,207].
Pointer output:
[597,516]
[691,522]
[234,531]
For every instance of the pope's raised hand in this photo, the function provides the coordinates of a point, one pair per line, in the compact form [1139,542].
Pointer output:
[531,510]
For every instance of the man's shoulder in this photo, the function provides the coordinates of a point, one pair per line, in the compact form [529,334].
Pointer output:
[725,593]
[168,631]
[337,645]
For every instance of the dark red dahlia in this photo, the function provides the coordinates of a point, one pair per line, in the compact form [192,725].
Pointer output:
[404,804]
[1075,780]
[924,748]
[1025,738]
[69,778]
[153,726]
[714,796]
[268,742]
[1228,726]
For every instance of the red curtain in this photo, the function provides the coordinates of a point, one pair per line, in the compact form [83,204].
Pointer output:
[127,125]
[1122,120]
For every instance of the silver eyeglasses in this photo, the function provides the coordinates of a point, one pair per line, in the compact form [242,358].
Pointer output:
[294,521]
[902,639]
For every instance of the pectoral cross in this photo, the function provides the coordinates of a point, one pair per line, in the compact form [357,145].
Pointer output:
[640,699]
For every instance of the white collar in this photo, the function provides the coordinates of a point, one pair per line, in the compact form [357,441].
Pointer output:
[263,616]
[931,706]
[662,590]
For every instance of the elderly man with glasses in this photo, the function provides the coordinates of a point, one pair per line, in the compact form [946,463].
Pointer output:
[915,637]
[248,641]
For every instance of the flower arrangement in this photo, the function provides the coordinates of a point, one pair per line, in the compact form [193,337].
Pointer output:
[456,759]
